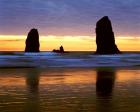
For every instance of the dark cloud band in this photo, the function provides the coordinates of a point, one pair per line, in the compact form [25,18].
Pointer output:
[68,17]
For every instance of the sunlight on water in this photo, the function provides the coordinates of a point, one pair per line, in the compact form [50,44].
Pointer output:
[69,90]
[71,59]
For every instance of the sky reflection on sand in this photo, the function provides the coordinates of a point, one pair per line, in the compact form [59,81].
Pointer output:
[69,90]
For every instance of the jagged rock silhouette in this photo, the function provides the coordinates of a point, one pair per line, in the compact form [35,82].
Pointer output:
[105,39]
[61,50]
[32,41]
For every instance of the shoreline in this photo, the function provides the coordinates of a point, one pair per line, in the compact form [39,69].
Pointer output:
[78,68]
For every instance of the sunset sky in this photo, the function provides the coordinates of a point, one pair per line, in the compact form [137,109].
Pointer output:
[68,22]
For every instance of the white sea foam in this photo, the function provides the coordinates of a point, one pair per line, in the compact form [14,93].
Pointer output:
[73,59]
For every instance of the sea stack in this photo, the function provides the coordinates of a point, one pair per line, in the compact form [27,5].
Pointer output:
[61,50]
[105,39]
[32,41]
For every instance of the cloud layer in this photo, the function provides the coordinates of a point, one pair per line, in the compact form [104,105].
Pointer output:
[68,17]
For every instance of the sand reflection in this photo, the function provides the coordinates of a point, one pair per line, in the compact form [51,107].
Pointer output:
[104,90]
[32,83]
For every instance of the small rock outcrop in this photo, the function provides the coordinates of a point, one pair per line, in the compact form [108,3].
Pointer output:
[61,50]
[32,41]
[105,39]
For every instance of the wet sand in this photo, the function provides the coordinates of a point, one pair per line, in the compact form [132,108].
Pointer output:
[70,90]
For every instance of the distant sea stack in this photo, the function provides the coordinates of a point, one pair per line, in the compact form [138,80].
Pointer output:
[105,39]
[61,50]
[32,41]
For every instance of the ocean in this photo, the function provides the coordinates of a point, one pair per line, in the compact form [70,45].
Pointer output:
[71,59]
[70,82]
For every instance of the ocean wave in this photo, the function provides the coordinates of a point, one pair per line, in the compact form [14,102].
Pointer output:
[73,59]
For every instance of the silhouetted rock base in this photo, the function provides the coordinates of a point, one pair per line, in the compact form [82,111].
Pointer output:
[58,51]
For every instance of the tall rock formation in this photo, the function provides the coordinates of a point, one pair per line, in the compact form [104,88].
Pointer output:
[105,39]
[32,41]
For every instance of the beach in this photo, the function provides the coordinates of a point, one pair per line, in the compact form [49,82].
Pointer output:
[73,82]
[69,56]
